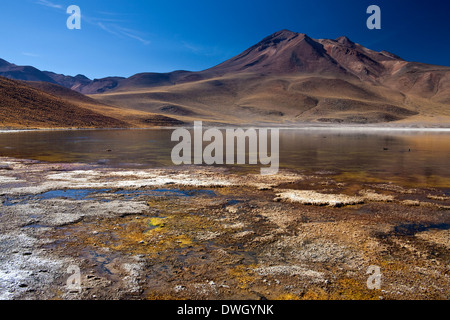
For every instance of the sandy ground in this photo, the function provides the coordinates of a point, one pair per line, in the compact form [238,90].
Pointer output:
[210,233]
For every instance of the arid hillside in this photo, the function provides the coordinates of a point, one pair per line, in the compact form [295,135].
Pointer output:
[43,105]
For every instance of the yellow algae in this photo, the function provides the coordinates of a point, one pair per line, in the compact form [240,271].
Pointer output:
[175,241]
[183,240]
[242,275]
[157,222]
[144,235]
[345,289]
[287,296]
[352,289]
[152,296]
[392,265]
[315,294]
[163,237]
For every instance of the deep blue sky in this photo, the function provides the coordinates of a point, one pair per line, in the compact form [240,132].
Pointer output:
[126,37]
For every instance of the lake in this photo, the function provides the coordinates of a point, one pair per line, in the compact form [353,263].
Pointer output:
[410,157]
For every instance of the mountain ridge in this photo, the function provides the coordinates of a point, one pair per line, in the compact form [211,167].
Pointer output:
[285,77]
[325,49]
[333,52]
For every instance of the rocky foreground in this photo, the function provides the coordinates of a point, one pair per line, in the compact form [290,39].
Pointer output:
[210,233]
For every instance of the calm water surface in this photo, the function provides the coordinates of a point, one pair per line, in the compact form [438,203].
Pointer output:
[414,158]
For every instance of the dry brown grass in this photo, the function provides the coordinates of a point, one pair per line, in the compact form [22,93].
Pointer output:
[22,106]
[46,105]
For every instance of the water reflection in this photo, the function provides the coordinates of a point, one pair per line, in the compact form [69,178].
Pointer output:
[415,157]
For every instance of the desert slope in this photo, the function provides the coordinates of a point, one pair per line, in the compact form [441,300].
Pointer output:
[252,98]
[129,118]
[22,106]
[29,105]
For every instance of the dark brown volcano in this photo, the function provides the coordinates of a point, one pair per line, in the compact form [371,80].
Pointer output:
[282,52]
[287,52]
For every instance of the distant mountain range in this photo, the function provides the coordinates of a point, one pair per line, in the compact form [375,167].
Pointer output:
[287,77]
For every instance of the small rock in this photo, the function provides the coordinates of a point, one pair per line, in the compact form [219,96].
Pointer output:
[179,288]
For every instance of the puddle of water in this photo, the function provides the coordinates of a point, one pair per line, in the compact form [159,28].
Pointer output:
[12,201]
[35,226]
[412,229]
[232,202]
[72,194]
[101,260]
[132,194]
[87,194]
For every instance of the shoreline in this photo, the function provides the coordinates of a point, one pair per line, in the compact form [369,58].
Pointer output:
[356,128]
